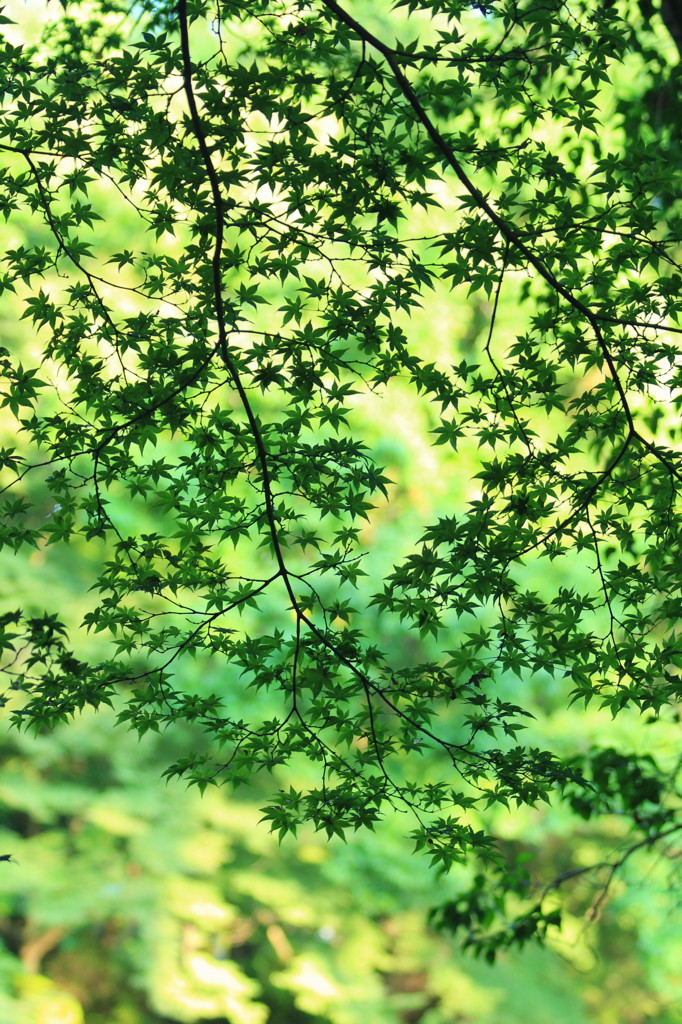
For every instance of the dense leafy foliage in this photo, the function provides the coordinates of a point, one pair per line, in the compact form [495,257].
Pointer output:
[298,182]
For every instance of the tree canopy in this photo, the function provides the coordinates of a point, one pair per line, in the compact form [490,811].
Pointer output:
[299,182]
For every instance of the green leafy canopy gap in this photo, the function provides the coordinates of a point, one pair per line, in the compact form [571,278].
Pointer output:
[302,194]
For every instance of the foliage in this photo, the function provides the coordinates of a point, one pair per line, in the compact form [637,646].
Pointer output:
[185,910]
[299,181]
